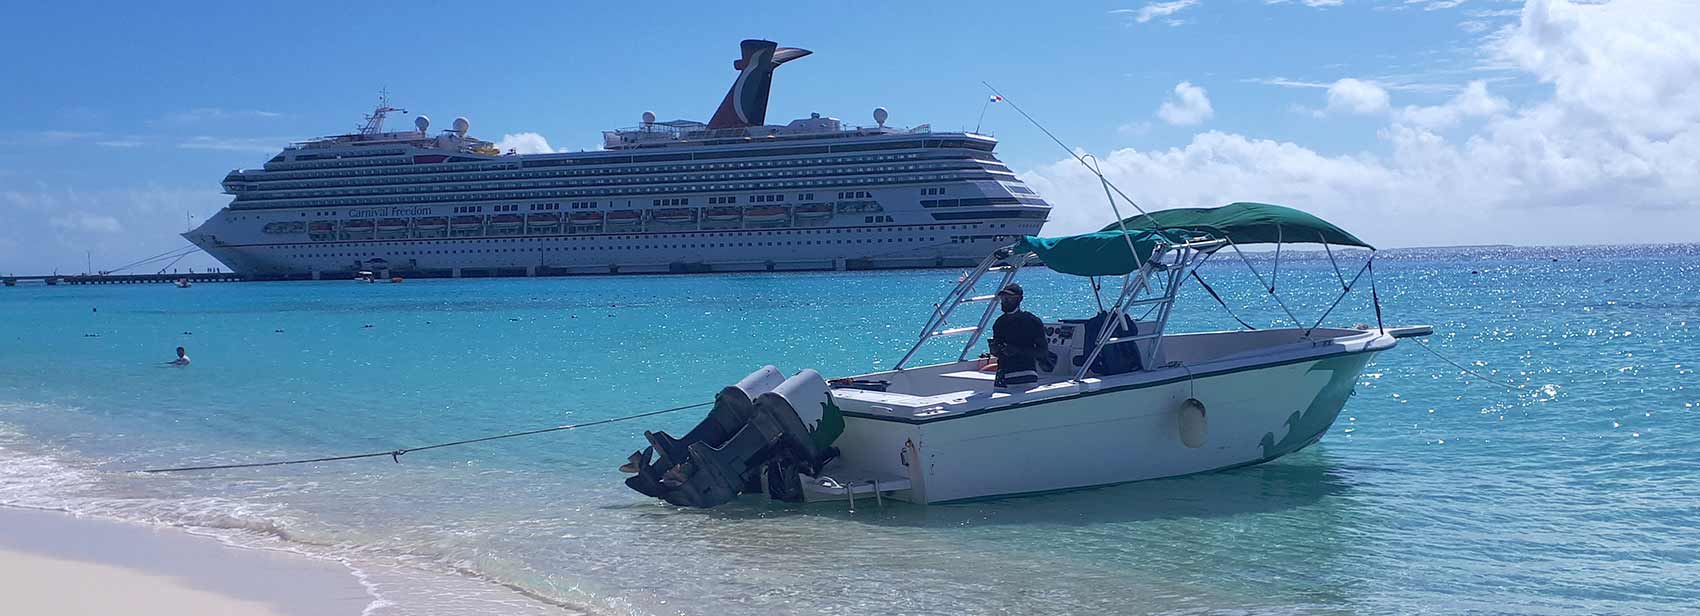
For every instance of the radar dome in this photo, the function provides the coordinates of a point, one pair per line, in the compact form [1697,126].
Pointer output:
[648,117]
[461,126]
[422,123]
[880,115]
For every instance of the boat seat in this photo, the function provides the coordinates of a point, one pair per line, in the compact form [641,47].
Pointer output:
[974,375]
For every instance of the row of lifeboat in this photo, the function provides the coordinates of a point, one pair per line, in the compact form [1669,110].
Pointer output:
[666,216]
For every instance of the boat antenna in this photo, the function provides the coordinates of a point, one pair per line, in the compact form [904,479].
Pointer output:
[375,120]
[1111,198]
[1078,158]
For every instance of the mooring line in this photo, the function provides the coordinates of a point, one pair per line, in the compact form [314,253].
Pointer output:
[1478,375]
[395,454]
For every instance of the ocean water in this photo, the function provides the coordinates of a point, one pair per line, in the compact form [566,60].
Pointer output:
[1574,488]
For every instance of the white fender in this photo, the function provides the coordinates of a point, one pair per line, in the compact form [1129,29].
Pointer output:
[1195,427]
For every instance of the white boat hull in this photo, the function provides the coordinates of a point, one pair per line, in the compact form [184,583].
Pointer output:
[1114,435]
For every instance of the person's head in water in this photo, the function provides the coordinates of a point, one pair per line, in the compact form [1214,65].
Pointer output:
[181,352]
[1010,296]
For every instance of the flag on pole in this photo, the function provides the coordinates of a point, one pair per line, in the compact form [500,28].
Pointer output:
[996,99]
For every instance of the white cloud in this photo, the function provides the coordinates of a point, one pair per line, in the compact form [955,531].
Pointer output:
[1356,96]
[267,145]
[1309,3]
[1473,101]
[1435,5]
[56,137]
[1607,156]
[44,229]
[1134,129]
[1392,83]
[1189,105]
[120,143]
[84,221]
[1157,9]
[205,114]
[524,143]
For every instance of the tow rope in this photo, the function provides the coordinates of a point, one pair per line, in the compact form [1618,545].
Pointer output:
[1459,366]
[395,454]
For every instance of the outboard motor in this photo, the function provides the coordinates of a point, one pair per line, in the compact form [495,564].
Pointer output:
[784,430]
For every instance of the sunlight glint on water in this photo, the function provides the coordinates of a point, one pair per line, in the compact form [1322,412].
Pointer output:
[1434,492]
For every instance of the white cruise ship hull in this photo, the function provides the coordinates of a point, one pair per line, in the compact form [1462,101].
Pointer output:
[639,251]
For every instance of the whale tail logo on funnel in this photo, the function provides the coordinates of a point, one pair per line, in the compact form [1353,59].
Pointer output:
[746,102]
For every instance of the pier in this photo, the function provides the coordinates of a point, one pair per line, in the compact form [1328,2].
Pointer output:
[81,279]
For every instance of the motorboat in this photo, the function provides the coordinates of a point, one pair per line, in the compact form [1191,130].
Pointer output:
[1119,398]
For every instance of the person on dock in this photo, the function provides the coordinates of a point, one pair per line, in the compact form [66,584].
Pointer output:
[182,358]
[1018,341]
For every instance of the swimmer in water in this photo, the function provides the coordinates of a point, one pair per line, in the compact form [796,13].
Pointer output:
[182,358]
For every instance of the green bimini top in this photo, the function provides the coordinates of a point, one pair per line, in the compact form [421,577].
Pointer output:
[1105,253]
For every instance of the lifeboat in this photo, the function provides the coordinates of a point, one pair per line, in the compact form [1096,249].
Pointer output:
[586,218]
[466,223]
[434,223]
[625,217]
[357,226]
[723,214]
[766,214]
[506,221]
[675,216]
[814,210]
[389,225]
[543,220]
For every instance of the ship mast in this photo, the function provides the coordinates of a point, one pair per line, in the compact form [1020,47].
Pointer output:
[375,120]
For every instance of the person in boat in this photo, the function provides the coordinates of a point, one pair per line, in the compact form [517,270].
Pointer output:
[1018,341]
[182,358]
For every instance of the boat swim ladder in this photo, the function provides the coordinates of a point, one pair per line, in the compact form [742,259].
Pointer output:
[1000,261]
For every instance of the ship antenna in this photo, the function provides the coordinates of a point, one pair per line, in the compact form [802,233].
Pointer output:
[1077,158]
[375,120]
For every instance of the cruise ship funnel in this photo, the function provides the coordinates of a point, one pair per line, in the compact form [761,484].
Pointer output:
[746,103]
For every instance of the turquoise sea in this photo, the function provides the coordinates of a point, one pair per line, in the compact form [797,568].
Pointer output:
[1576,491]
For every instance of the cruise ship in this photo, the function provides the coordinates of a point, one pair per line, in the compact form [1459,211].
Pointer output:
[734,194]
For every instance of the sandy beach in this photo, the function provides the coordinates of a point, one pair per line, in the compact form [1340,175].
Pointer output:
[56,563]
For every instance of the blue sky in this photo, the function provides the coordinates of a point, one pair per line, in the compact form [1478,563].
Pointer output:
[122,118]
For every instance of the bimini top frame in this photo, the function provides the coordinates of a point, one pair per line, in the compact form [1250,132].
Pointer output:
[1170,263]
